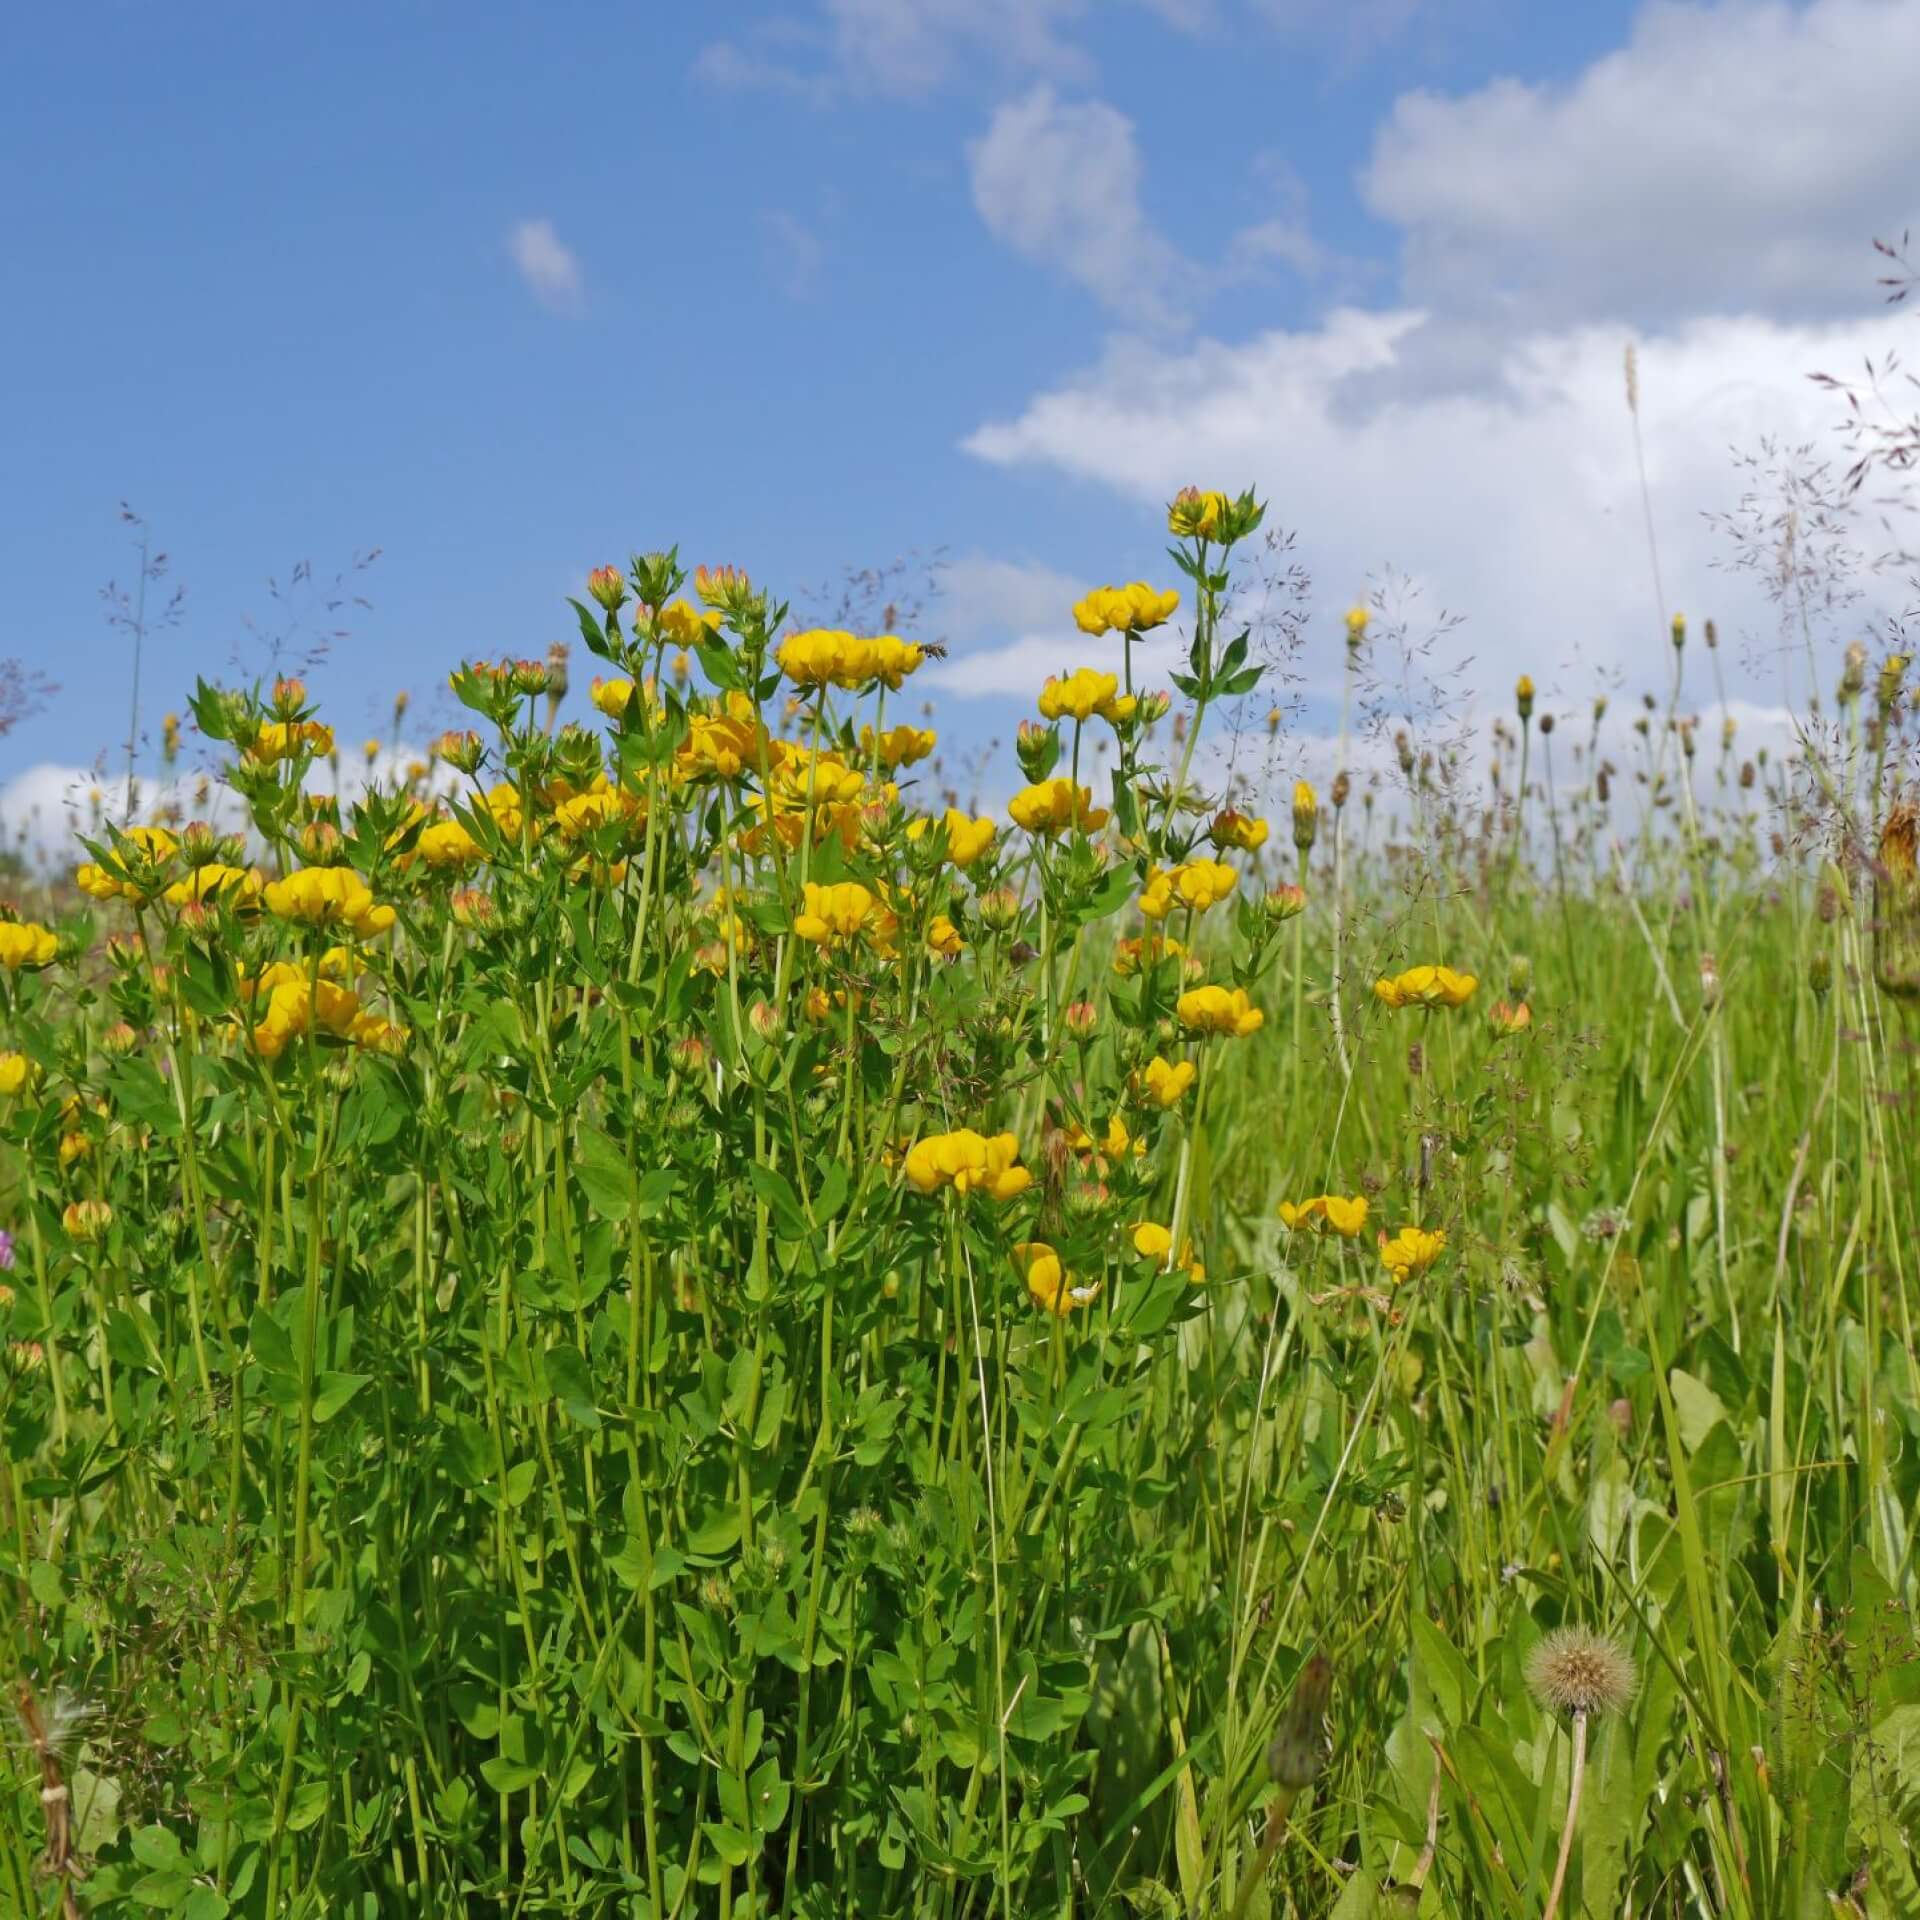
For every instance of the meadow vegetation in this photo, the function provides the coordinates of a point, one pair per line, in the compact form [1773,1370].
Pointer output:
[663,1319]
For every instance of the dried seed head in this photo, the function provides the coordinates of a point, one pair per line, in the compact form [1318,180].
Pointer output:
[1575,1670]
[1299,1748]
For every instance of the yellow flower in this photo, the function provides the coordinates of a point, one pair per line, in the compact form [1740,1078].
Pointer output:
[842,912]
[1357,619]
[1306,815]
[1130,954]
[1135,608]
[240,885]
[377,1032]
[1115,1144]
[1412,1250]
[74,1146]
[1082,694]
[328,897]
[446,843]
[285,739]
[898,746]
[1152,1241]
[1194,883]
[1166,1084]
[894,658]
[943,938]
[683,625]
[1219,1010]
[1523,696]
[16,1072]
[587,813]
[132,869]
[1326,1213]
[1049,1286]
[965,1161]
[25,943]
[725,743]
[1196,515]
[826,657]
[610,696]
[1426,987]
[1243,831]
[1053,806]
[967,839]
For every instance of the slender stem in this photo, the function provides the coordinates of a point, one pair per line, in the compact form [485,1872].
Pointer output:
[1573,1814]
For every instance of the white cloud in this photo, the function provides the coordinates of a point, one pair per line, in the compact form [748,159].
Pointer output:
[1729,156]
[1515,503]
[548,266]
[1059,182]
[44,807]
[795,253]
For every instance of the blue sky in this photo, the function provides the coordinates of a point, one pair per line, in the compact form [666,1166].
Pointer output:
[506,291]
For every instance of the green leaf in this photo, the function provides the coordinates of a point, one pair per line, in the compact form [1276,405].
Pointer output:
[603,1174]
[570,1383]
[334,1390]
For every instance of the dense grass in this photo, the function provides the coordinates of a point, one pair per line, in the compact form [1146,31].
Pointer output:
[555,1460]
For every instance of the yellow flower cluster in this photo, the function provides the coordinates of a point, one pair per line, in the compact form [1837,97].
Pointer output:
[1052,806]
[830,657]
[1220,1010]
[1135,608]
[1084,693]
[1242,832]
[1165,1083]
[968,1161]
[1426,987]
[1411,1251]
[328,897]
[1151,1241]
[967,838]
[287,739]
[833,915]
[24,944]
[1049,1286]
[1197,884]
[900,746]
[132,871]
[1325,1213]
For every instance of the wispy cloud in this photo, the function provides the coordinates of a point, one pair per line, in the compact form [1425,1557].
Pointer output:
[548,265]
[795,253]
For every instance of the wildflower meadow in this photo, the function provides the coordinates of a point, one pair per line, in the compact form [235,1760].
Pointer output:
[664,1318]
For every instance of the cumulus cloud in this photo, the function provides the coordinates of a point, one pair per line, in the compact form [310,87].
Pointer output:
[1515,503]
[1059,182]
[548,266]
[1729,157]
[44,808]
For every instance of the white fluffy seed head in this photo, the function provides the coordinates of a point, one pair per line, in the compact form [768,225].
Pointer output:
[1575,1670]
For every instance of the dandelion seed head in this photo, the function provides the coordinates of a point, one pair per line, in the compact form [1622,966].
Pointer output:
[1575,1670]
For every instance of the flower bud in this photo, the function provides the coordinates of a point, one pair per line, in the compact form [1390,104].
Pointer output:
[1679,631]
[199,844]
[471,908]
[529,676]
[1086,1199]
[289,696]
[1082,1021]
[460,749]
[999,908]
[689,1054]
[1037,749]
[1306,815]
[557,672]
[1509,1018]
[1520,976]
[607,587]
[1357,618]
[1283,903]
[765,1019]
[1820,972]
[1153,707]
[1546,723]
[1523,698]
[87,1221]
[320,844]
[119,1040]
[1342,787]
